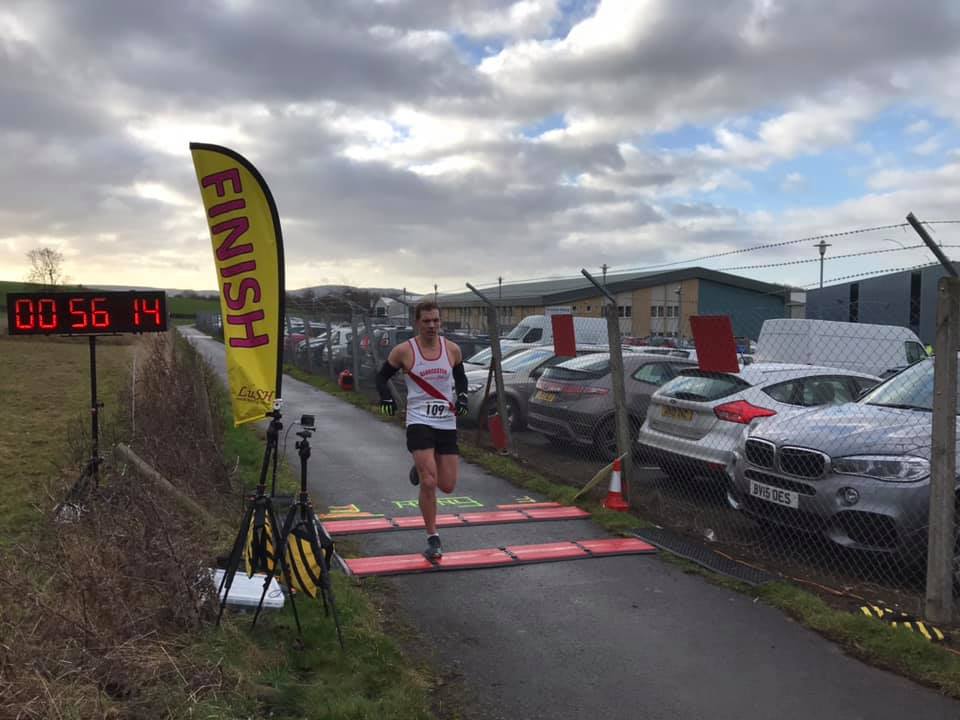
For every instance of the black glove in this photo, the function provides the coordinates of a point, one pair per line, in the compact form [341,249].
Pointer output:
[388,407]
[462,404]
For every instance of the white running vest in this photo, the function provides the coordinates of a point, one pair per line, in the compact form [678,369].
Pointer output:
[423,408]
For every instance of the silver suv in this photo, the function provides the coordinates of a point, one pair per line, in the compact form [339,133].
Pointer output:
[857,474]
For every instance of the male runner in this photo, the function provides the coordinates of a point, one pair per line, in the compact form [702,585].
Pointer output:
[436,394]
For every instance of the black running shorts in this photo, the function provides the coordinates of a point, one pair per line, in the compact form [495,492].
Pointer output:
[424,437]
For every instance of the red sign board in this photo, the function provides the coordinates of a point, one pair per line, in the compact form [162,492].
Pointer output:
[564,339]
[716,347]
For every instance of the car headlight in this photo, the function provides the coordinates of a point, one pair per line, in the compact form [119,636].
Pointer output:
[474,388]
[891,468]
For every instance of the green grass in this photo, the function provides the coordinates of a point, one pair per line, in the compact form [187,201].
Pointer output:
[48,382]
[188,307]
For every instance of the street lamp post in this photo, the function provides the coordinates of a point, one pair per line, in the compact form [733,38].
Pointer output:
[822,246]
[679,292]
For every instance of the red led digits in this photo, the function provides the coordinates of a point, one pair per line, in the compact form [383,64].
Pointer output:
[155,311]
[85,313]
[23,314]
[81,319]
[142,304]
[101,318]
[47,312]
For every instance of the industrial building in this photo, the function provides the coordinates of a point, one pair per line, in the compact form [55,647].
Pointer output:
[658,303]
[907,298]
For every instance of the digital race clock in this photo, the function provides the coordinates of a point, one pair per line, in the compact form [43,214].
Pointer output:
[86,313]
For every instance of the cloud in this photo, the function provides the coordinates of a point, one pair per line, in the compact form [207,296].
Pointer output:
[793,181]
[807,129]
[397,158]
[929,146]
[918,127]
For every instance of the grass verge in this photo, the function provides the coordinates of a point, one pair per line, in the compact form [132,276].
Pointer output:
[869,640]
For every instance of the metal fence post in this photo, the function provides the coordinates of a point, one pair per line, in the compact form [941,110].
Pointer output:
[943,442]
[355,348]
[621,416]
[943,458]
[495,359]
[329,349]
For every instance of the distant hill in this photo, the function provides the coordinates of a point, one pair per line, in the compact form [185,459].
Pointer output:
[325,290]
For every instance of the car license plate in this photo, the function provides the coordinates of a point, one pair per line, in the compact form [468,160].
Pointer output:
[546,396]
[675,412]
[776,495]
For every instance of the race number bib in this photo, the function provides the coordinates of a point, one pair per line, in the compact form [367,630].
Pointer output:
[436,409]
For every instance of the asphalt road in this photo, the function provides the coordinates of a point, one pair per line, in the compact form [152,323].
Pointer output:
[599,638]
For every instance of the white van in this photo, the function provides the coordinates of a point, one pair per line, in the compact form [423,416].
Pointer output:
[538,330]
[872,349]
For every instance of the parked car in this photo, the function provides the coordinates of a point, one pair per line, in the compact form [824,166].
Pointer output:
[573,404]
[696,420]
[482,358]
[857,474]
[520,374]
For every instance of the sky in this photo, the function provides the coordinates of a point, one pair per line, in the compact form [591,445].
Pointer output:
[418,142]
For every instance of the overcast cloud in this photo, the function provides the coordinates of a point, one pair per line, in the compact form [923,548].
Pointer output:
[413,142]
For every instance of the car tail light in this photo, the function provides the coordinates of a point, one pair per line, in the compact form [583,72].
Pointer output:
[742,412]
[585,390]
[570,389]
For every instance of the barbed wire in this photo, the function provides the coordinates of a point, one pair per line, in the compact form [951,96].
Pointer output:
[870,272]
[828,258]
[727,253]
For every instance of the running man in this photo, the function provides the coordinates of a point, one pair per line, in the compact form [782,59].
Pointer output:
[436,394]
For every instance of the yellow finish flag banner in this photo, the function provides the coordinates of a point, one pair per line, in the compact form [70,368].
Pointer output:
[248,253]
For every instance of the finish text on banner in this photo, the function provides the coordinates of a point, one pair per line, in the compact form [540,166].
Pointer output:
[248,254]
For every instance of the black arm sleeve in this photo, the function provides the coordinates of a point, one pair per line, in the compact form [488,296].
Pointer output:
[459,378]
[383,378]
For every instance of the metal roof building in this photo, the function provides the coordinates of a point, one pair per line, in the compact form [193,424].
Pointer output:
[648,303]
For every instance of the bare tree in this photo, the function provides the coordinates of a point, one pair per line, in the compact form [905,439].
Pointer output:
[46,267]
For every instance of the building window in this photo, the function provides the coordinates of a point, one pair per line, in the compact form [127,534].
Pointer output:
[624,311]
[588,308]
[854,308]
[916,285]
[660,310]
[653,311]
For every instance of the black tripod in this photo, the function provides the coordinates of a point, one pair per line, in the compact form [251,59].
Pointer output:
[304,543]
[259,533]
[91,469]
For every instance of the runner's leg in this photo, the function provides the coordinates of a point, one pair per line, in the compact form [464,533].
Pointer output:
[448,470]
[426,464]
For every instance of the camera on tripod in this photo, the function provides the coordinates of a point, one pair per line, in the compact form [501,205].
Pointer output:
[308,428]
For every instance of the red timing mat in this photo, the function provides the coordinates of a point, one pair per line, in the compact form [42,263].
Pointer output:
[493,557]
[415,522]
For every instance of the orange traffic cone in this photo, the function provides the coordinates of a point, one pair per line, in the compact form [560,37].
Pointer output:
[615,499]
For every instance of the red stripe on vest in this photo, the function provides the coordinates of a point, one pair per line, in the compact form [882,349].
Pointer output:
[431,390]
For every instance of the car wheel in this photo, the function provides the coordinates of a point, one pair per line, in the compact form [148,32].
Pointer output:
[605,437]
[514,421]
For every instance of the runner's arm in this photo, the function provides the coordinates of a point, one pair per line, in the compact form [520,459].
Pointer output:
[460,385]
[390,367]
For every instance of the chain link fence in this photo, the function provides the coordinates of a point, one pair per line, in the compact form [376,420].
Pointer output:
[811,458]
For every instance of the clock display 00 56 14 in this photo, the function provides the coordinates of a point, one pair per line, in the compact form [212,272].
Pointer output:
[86,313]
